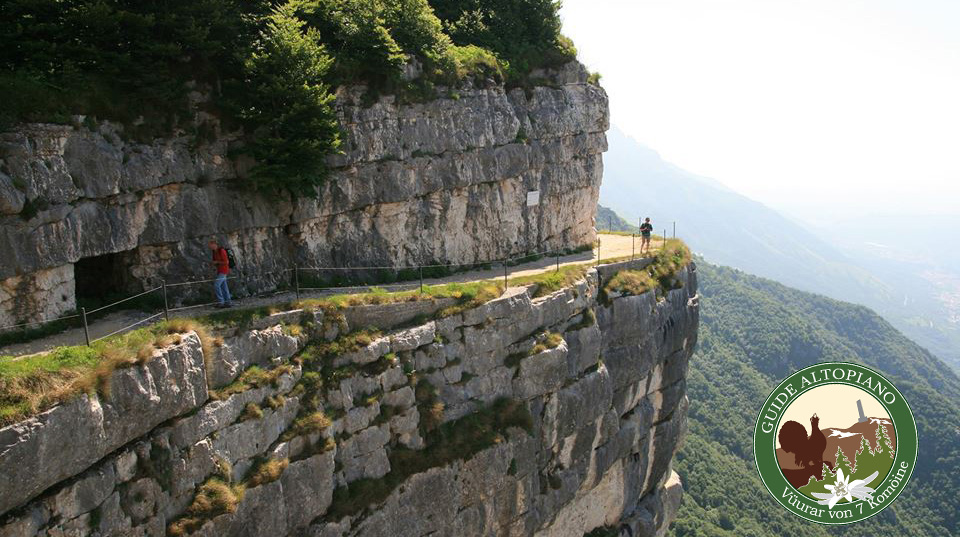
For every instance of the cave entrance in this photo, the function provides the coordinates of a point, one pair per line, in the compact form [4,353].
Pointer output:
[104,279]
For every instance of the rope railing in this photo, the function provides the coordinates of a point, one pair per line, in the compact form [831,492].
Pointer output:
[297,288]
[193,306]
[129,326]
[122,300]
[42,321]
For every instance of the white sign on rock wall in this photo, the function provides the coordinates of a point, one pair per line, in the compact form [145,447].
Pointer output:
[533,198]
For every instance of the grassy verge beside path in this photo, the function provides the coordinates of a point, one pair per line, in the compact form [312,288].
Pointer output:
[34,383]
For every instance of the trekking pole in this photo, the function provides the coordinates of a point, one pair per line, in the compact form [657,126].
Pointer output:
[166,306]
[296,280]
[86,329]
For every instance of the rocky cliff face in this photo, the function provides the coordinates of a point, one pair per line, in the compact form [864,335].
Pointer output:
[410,174]
[563,437]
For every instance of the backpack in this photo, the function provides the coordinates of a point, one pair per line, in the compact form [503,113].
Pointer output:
[231,260]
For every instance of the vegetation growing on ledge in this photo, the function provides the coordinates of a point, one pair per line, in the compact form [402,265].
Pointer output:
[29,385]
[266,471]
[466,295]
[456,440]
[549,282]
[215,497]
[32,384]
[588,319]
[545,342]
[252,377]
[658,274]
[269,66]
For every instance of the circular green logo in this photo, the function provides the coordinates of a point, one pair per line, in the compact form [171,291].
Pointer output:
[835,443]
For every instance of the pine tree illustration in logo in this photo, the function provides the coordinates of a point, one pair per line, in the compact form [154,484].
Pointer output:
[843,463]
[883,440]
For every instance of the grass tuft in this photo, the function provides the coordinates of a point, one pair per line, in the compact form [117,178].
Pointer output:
[266,471]
[313,422]
[251,412]
[214,498]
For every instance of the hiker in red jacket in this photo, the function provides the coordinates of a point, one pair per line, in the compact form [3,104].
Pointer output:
[222,263]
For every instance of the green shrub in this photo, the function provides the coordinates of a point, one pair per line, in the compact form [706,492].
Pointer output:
[471,61]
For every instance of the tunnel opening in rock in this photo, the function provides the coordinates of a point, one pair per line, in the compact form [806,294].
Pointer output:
[104,279]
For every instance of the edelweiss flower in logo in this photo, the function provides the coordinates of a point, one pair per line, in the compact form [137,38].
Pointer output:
[844,489]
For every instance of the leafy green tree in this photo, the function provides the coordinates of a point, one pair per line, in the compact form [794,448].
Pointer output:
[119,59]
[416,28]
[356,33]
[526,33]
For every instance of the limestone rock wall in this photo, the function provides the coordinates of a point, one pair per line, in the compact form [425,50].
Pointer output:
[607,403]
[441,181]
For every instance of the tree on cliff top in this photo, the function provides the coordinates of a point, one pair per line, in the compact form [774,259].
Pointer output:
[526,33]
[266,63]
[289,106]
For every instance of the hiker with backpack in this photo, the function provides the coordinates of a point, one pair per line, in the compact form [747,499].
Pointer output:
[222,262]
[645,230]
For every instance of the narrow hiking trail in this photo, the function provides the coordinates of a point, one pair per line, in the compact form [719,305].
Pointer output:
[610,246]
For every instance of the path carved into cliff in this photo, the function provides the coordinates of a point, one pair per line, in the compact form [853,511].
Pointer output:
[611,246]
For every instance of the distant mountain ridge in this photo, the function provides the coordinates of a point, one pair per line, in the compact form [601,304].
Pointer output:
[730,229]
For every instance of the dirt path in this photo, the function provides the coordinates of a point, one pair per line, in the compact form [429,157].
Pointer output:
[610,246]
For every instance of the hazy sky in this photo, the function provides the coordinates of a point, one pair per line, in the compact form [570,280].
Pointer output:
[795,103]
